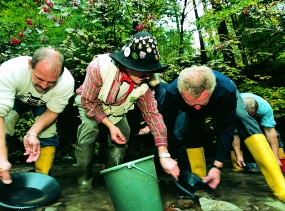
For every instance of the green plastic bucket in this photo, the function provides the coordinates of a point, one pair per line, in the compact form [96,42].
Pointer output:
[133,186]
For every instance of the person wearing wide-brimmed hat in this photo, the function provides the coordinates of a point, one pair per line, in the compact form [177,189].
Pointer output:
[113,83]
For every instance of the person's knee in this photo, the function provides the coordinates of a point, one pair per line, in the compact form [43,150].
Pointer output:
[87,133]
[89,126]
[10,122]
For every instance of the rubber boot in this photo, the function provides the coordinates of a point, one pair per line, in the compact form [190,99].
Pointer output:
[84,157]
[44,163]
[234,162]
[115,156]
[267,163]
[197,161]
[281,153]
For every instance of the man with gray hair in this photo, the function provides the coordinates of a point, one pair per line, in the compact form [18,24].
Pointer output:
[262,112]
[201,92]
[40,84]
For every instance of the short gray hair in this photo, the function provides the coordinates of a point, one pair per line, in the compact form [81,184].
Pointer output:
[195,80]
[251,105]
[53,55]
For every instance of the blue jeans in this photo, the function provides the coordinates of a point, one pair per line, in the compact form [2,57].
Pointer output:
[48,137]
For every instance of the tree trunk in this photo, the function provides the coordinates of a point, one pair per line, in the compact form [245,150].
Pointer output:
[224,36]
[181,41]
[202,46]
[240,46]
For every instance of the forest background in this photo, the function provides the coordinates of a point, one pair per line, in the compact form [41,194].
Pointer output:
[245,40]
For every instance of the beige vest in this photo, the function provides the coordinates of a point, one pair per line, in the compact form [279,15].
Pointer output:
[108,72]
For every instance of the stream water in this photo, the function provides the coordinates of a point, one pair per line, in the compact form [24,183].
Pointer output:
[246,191]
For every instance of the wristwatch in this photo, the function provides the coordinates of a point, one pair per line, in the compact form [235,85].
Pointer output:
[165,155]
[217,167]
[30,134]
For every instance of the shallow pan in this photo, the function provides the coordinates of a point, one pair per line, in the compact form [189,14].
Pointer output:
[189,183]
[251,168]
[28,190]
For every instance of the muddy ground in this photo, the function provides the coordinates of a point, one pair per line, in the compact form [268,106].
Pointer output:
[246,191]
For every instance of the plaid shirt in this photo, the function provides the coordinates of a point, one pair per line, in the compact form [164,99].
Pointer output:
[91,87]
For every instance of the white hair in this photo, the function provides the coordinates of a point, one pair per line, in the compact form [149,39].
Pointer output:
[195,80]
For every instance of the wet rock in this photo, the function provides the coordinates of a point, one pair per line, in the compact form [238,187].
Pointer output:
[254,207]
[57,204]
[50,209]
[215,205]
[277,205]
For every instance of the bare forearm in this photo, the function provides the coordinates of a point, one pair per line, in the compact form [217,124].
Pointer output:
[236,145]
[275,147]
[107,123]
[271,136]
[162,149]
[43,122]
[3,148]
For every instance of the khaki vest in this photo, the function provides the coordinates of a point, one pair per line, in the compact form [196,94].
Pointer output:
[108,72]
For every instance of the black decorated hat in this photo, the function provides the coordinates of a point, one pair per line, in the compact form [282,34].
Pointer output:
[140,54]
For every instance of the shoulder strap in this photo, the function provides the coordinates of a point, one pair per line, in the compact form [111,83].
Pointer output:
[108,71]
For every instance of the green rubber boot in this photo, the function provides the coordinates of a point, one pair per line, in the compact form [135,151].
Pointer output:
[84,156]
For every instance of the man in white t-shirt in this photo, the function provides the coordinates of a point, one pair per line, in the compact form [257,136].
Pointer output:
[39,84]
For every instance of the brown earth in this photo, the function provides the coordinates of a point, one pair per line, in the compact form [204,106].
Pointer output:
[246,191]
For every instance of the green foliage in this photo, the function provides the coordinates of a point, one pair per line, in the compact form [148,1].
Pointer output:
[274,95]
[26,121]
[253,30]
[253,26]
[255,37]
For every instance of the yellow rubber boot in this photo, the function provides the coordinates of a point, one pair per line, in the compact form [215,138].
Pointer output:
[267,163]
[234,162]
[281,153]
[197,161]
[45,161]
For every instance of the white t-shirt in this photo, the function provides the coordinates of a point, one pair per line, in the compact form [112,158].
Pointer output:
[15,82]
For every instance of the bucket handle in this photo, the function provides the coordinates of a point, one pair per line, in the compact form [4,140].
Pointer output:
[135,167]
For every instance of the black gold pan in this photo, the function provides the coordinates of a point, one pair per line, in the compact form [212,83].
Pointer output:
[189,183]
[28,190]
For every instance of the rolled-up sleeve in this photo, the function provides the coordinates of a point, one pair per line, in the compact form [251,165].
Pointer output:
[148,106]
[90,92]
[8,89]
